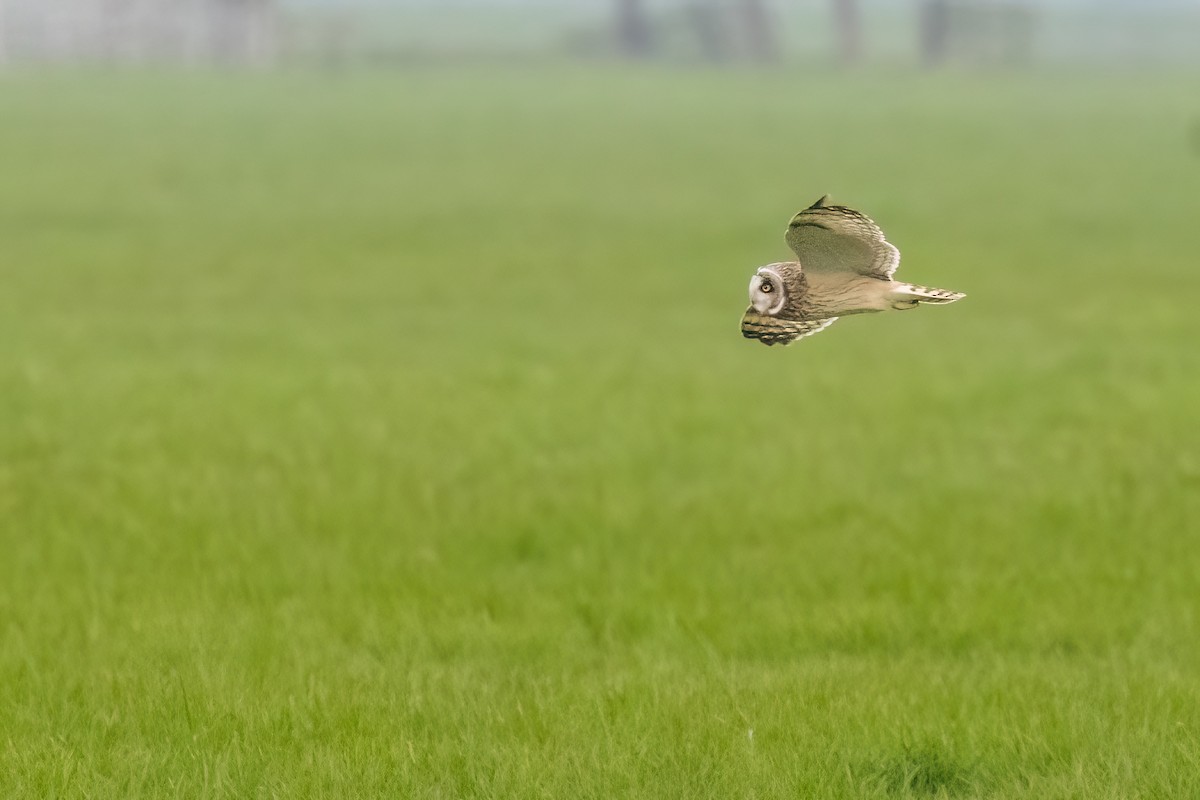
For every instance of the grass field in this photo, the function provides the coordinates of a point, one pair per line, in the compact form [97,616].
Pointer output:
[391,435]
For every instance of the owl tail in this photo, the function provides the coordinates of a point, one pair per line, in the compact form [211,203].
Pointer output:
[909,295]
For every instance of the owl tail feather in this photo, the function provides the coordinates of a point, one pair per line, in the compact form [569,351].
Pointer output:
[909,295]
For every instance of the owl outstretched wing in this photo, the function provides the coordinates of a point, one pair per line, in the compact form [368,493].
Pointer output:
[773,330]
[839,239]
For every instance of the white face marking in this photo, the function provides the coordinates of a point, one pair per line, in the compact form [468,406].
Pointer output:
[767,293]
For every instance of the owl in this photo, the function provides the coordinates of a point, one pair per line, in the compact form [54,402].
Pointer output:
[845,267]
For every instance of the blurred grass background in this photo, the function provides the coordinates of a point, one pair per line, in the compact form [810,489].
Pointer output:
[391,434]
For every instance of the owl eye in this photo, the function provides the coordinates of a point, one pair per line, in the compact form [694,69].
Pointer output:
[766,287]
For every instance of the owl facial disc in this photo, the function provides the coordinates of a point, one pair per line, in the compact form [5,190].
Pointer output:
[767,291]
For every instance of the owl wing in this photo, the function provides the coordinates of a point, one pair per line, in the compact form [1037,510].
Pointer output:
[773,330]
[839,239]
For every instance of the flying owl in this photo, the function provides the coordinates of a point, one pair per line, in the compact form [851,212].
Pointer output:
[845,267]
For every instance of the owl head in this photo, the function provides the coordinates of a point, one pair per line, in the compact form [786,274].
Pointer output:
[770,285]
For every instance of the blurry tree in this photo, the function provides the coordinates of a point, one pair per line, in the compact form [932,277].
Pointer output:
[633,28]
[725,30]
[243,30]
[998,32]
[112,39]
[934,27]
[712,34]
[756,23]
[849,30]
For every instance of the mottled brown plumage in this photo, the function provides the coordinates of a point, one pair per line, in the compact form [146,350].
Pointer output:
[845,267]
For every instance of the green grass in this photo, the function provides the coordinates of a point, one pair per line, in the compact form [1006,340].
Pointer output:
[392,435]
